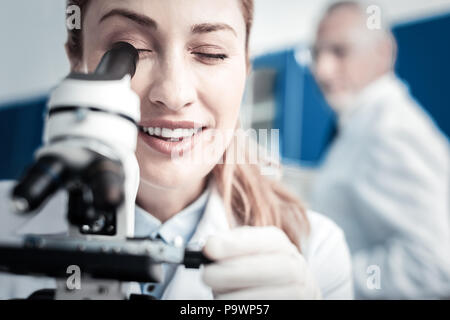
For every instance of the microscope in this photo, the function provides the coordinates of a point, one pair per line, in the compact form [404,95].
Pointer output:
[89,152]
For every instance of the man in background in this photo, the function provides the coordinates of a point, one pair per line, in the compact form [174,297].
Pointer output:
[386,177]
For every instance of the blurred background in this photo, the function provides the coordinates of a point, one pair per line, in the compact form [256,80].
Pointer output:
[400,224]
[281,91]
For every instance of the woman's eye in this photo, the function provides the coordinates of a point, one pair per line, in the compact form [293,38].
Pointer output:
[211,56]
[144,52]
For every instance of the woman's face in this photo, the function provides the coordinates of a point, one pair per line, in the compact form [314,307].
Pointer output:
[191,75]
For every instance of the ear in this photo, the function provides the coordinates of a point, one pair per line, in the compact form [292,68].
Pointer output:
[393,49]
[388,52]
[74,61]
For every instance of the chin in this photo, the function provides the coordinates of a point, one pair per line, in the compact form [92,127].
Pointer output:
[163,172]
[340,102]
[164,175]
[170,174]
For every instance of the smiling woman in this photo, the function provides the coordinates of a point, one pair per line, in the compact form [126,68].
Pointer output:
[193,66]
[174,90]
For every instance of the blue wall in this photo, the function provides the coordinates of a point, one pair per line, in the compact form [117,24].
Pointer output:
[21,128]
[424,63]
[305,121]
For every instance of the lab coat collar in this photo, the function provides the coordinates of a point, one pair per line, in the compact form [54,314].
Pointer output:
[215,219]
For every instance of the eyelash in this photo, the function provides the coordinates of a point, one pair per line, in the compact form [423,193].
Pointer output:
[218,56]
[141,51]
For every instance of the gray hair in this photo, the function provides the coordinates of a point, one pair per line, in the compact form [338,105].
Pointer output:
[365,9]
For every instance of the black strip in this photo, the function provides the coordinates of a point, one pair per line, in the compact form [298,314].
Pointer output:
[75,108]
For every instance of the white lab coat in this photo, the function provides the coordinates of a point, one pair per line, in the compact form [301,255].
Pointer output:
[385,182]
[325,250]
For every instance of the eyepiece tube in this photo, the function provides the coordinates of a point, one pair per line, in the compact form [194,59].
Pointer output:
[42,180]
[119,61]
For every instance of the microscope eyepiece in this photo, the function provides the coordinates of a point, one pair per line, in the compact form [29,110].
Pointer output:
[41,181]
[119,61]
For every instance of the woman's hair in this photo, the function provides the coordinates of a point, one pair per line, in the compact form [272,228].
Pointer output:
[251,198]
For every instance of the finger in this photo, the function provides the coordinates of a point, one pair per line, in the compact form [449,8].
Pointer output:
[286,292]
[255,270]
[247,240]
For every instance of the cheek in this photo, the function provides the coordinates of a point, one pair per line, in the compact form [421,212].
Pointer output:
[221,94]
[142,80]
[354,70]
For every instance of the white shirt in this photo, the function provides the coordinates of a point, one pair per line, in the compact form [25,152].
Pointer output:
[180,227]
[385,181]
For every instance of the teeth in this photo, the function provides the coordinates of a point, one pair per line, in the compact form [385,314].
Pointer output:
[173,134]
[167,133]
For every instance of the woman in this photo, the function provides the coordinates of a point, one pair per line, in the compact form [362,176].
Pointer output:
[191,75]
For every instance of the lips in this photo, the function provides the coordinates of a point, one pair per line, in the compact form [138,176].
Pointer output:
[167,134]
[172,138]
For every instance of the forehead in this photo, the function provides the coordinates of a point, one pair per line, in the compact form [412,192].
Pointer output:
[343,24]
[173,14]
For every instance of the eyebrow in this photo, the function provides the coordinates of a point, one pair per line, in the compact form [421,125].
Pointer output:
[130,15]
[211,27]
[150,23]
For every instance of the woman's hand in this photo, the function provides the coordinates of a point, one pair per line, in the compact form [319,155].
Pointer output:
[257,263]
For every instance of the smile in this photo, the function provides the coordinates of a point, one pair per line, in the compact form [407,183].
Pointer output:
[171,138]
[167,134]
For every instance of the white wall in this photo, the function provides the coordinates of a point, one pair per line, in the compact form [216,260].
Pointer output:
[32,35]
[279,23]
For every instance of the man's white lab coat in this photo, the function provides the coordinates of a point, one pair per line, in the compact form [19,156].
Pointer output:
[385,181]
[325,250]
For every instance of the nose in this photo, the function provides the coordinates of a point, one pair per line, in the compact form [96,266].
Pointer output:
[325,67]
[172,86]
